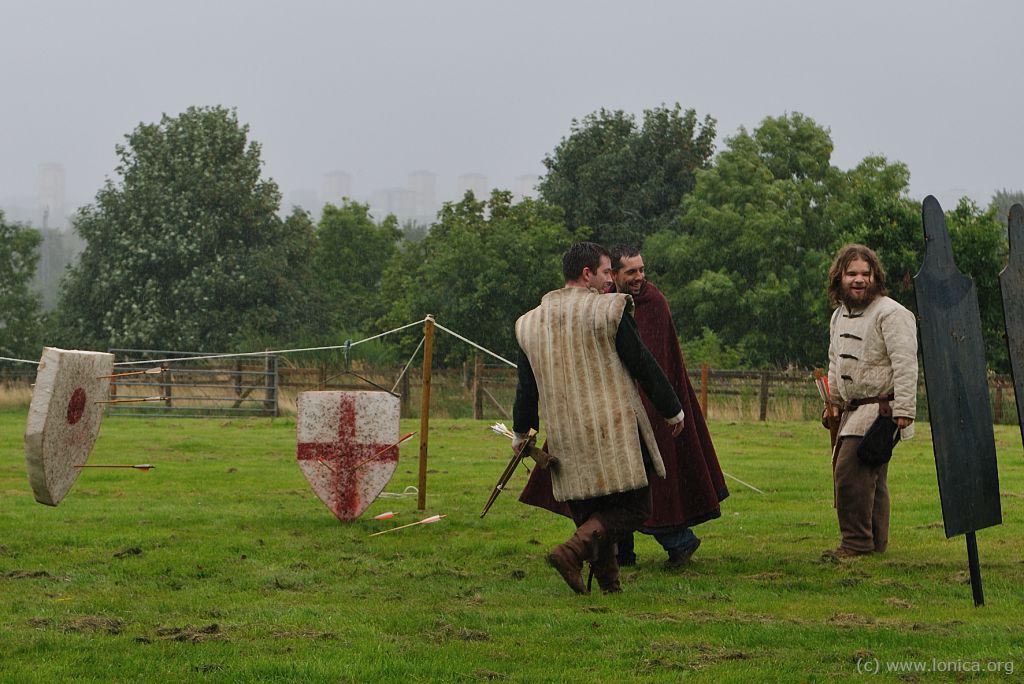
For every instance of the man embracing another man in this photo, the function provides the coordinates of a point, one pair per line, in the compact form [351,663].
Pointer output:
[580,363]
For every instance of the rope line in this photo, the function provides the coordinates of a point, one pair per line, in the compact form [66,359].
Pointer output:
[474,344]
[408,491]
[366,380]
[5,358]
[265,353]
[402,374]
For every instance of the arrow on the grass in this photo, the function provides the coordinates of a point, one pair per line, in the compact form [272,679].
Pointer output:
[141,466]
[425,521]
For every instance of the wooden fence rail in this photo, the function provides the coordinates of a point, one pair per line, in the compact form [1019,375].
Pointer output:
[264,387]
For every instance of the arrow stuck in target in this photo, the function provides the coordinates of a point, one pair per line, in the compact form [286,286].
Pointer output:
[129,401]
[405,438]
[152,371]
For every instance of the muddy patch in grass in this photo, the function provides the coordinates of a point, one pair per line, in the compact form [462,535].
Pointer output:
[449,631]
[195,635]
[27,574]
[765,576]
[311,635]
[677,656]
[95,624]
[850,620]
[898,602]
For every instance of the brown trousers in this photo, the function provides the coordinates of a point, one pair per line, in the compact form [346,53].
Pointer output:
[862,500]
[619,513]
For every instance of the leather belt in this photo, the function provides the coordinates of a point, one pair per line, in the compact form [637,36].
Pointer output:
[854,404]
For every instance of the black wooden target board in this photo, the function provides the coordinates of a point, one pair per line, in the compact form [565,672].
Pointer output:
[956,378]
[955,375]
[1011,283]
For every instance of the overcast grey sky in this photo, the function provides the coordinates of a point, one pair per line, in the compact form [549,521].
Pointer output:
[380,89]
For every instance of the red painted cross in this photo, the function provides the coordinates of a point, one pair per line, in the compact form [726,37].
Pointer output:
[341,458]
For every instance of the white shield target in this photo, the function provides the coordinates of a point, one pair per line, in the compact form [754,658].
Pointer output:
[64,418]
[347,447]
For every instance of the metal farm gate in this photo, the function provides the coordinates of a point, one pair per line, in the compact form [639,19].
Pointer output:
[211,388]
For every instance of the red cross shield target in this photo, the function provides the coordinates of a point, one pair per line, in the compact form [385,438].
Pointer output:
[347,447]
[64,418]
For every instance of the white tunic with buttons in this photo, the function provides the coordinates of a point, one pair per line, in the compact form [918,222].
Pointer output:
[871,352]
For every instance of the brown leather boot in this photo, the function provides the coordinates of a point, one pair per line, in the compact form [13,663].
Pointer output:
[606,568]
[568,558]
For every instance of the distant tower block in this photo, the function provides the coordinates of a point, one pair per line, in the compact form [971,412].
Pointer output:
[50,195]
[304,198]
[423,184]
[335,186]
[477,182]
[398,201]
[526,186]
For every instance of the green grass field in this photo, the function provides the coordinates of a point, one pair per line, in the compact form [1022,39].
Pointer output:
[222,565]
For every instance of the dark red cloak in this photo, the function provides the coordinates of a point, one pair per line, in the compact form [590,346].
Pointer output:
[693,486]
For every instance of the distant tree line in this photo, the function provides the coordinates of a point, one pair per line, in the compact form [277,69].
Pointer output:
[185,248]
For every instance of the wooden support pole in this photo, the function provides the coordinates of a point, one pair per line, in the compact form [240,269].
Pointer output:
[167,379]
[238,381]
[405,387]
[497,404]
[763,414]
[270,398]
[975,569]
[704,372]
[428,357]
[478,385]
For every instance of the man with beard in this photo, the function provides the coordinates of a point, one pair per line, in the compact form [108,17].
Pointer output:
[873,370]
[581,359]
[694,486]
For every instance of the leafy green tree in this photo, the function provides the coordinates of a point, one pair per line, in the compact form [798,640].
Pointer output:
[749,254]
[624,182]
[19,305]
[746,265]
[349,258]
[186,250]
[875,210]
[1001,203]
[481,266]
[980,250]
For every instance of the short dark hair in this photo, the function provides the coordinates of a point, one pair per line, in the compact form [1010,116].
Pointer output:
[846,255]
[620,252]
[582,255]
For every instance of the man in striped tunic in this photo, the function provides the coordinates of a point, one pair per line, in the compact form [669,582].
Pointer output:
[580,364]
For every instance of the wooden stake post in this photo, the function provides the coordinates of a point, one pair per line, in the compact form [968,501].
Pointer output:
[428,357]
[704,390]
